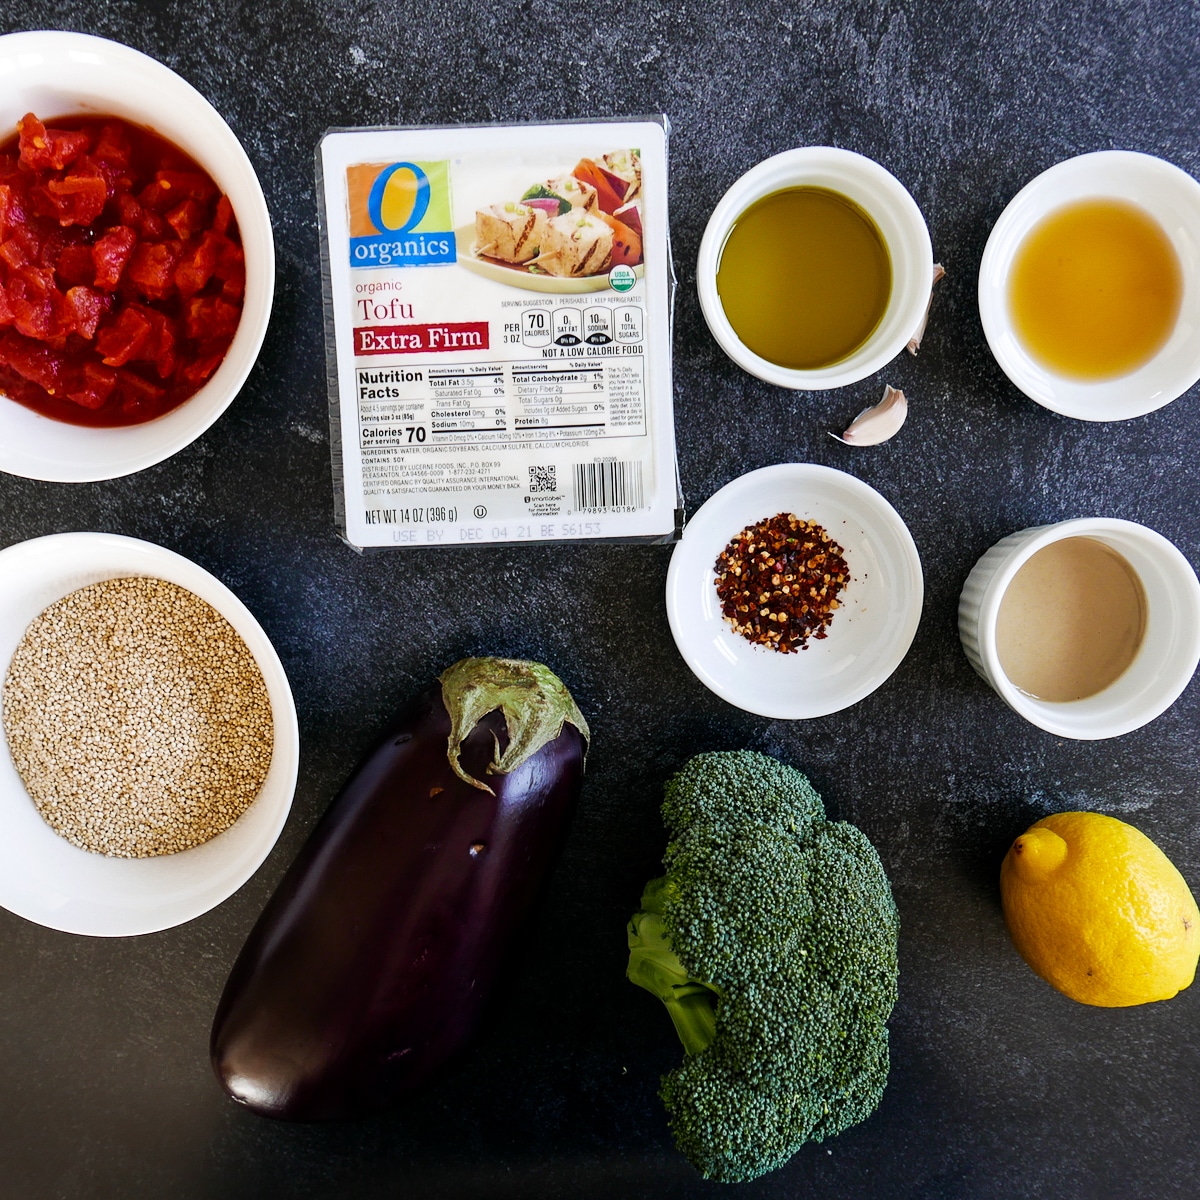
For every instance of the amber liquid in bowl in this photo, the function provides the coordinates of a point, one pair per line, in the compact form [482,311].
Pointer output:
[1095,289]
[804,277]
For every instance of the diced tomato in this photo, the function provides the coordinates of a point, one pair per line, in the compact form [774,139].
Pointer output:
[171,188]
[87,307]
[231,261]
[94,387]
[12,253]
[146,221]
[12,212]
[186,185]
[199,369]
[49,149]
[234,287]
[115,181]
[55,242]
[152,269]
[188,218]
[76,265]
[139,397]
[32,296]
[113,147]
[111,254]
[28,241]
[129,208]
[31,360]
[223,218]
[151,226]
[210,317]
[165,358]
[158,347]
[87,397]
[196,266]
[123,338]
[230,268]
[121,272]
[156,197]
[80,198]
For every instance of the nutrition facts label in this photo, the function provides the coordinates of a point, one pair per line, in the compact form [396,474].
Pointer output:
[498,404]
[504,372]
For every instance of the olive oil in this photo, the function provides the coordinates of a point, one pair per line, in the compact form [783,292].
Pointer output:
[804,277]
[1095,289]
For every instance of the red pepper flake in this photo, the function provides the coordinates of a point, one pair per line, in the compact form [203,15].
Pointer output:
[778,582]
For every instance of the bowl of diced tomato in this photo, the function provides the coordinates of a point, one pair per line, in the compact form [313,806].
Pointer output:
[137,263]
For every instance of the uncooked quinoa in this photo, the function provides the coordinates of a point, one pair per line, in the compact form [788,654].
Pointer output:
[137,718]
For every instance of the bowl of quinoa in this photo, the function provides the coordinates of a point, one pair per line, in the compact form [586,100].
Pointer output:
[150,746]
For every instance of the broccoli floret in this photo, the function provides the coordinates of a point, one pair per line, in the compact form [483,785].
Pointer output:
[772,942]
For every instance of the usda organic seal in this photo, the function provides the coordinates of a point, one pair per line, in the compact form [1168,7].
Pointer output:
[621,278]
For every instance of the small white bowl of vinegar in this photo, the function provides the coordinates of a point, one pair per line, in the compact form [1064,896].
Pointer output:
[1089,288]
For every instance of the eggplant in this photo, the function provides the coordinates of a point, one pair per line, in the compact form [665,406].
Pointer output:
[372,962]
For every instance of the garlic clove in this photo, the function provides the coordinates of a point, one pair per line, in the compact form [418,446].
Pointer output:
[878,423]
[914,342]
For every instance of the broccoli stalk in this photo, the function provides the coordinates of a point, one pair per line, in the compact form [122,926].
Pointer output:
[771,939]
[653,965]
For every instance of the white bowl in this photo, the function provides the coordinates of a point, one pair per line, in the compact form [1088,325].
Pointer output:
[1165,662]
[878,193]
[42,876]
[870,633]
[61,74]
[1172,198]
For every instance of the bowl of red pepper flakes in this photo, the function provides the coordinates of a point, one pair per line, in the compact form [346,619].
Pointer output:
[778,582]
[137,260]
[795,591]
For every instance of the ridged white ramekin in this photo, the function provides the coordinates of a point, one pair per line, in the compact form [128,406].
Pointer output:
[1165,662]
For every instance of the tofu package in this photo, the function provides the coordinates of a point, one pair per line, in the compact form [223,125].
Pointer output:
[498,305]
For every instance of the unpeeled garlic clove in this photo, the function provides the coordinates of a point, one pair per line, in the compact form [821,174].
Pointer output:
[878,423]
[914,342]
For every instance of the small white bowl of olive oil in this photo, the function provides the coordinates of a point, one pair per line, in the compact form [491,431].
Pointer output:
[1089,288]
[1088,628]
[815,268]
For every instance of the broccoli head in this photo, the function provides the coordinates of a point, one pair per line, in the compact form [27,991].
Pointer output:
[771,939]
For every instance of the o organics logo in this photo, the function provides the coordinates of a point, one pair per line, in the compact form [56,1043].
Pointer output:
[399,214]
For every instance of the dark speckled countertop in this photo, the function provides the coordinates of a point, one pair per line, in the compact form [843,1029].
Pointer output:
[1000,1087]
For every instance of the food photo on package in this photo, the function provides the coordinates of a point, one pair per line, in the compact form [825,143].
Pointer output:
[498,308]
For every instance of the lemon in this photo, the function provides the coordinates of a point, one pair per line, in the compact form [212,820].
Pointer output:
[1099,911]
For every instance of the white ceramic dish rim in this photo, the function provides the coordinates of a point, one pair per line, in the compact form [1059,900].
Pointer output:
[708,532]
[1170,195]
[878,192]
[124,897]
[1048,715]
[57,74]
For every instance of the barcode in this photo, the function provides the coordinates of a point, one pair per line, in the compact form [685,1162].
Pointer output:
[608,485]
